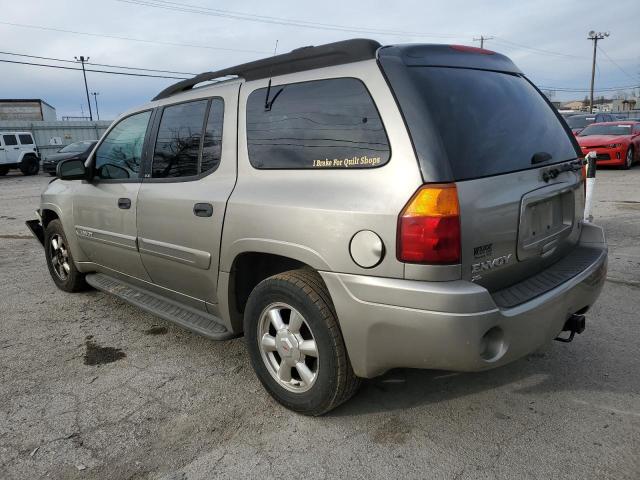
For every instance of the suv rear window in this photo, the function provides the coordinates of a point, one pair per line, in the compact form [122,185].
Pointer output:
[319,124]
[483,122]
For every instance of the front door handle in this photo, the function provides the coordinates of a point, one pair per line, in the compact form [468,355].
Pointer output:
[203,209]
[124,203]
[16,148]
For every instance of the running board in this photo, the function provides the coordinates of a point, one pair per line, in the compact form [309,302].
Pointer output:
[189,318]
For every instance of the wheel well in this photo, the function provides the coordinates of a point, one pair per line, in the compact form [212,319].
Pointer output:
[47,216]
[247,271]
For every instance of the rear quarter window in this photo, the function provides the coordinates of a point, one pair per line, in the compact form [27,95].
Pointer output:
[25,139]
[321,124]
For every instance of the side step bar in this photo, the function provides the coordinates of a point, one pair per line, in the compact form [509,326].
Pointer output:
[189,318]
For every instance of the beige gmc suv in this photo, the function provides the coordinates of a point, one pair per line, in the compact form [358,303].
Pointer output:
[348,208]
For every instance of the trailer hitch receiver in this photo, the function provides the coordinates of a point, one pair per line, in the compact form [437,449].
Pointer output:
[574,324]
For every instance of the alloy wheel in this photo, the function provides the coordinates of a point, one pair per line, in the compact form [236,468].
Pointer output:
[59,257]
[288,347]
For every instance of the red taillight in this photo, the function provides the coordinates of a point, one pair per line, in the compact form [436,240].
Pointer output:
[429,226]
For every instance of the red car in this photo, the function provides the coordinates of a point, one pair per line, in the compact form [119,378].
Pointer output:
[615,143]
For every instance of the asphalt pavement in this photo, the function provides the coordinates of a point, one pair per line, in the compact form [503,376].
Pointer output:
[91,387]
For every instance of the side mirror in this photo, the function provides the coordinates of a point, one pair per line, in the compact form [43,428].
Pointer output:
[72,169]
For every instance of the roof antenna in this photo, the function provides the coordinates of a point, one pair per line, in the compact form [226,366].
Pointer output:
[268,104]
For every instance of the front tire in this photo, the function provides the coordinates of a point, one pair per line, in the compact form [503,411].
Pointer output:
[3,170]
[295,343]
[30,165]
[628,163]
[60,261]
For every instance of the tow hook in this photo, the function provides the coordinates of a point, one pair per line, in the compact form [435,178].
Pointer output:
[574,324]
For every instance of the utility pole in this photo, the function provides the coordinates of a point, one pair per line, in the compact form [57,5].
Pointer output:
[481,40]
[594,37]
[82,60]
[95,99]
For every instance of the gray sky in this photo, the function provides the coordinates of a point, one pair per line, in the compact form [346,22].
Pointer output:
[546,39]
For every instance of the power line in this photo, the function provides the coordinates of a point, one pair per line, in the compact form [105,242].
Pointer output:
[96,64]
[544,87]
[200,10]
[612,61]
[215,12]
[570,89]
[131,39]
[536,50]
[91,70]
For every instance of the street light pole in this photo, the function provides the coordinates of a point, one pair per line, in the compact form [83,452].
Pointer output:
[81,59]
[594,37]
[95,99]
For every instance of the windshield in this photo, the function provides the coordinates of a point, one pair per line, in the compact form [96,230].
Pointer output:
[580,121]
[75,147]
[604,129]
[485,122]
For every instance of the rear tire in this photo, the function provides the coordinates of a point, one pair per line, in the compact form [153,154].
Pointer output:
[60,261]
[30,165]
[295,343]
[3,170]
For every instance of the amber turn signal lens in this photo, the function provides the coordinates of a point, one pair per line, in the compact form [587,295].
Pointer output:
[429,226]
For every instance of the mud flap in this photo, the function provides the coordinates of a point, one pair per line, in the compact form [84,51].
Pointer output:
[36,229]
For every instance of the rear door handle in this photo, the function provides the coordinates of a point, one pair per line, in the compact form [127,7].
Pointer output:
[124,203]
[203,209]
[16,148]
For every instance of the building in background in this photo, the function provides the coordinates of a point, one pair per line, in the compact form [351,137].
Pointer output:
[26,109]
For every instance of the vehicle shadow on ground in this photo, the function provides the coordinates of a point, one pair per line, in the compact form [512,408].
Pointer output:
[546,371]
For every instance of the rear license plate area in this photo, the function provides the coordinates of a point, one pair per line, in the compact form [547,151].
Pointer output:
[545,219]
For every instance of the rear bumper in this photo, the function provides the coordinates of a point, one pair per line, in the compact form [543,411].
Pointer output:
[390,323]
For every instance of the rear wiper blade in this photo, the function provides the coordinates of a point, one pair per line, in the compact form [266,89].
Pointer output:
[553,172]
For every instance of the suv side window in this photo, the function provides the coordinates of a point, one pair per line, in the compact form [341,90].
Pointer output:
[25,139]
[319,124]
[178,142]
[10,140]
[119,155]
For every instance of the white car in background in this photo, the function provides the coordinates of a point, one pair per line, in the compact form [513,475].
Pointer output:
[18,150]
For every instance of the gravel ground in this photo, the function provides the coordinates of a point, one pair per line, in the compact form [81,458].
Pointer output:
[172,405]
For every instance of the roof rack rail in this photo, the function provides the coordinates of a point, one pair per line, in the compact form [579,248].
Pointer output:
[298,60]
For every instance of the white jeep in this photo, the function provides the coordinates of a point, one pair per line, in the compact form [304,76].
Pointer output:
[18,150]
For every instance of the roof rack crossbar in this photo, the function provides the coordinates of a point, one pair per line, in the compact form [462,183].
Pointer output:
[298,60]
